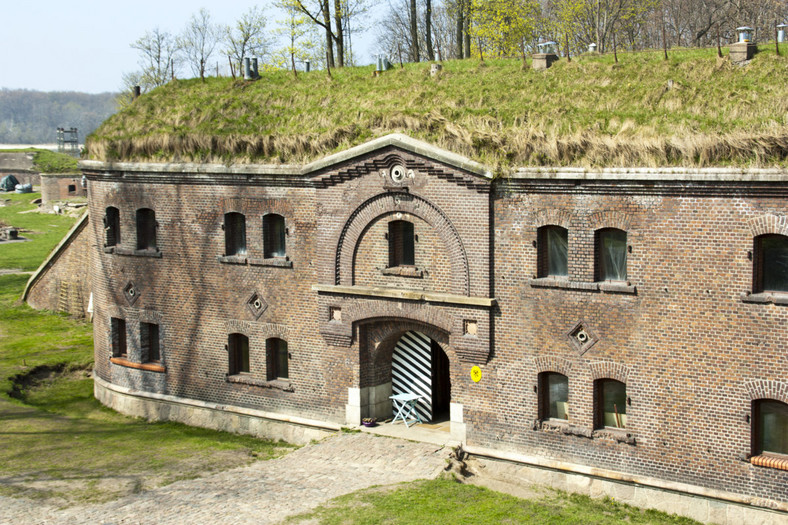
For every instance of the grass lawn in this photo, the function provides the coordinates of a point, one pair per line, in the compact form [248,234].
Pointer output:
[447,501]
[44,230]
[58,442]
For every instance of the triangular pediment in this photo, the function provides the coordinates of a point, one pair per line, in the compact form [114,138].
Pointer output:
[393,142]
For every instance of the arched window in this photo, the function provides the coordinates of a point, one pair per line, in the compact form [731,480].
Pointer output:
[111,226]
[234,234]
[610,262]
[610,400]
[146,229]
[277,359]
[770,263]
[770,427]
[553,396]
[274,236]
[238,349]
[402,250]
[552,251]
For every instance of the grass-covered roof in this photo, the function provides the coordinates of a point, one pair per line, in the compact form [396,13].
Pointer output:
[694,109]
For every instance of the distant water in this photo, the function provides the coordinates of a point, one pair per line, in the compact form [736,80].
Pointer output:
[51,147]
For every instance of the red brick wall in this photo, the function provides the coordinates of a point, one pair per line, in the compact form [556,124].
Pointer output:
[64,285]
[56,187]
[692,354]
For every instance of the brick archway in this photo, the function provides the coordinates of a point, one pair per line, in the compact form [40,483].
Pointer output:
[378,338]
[387,203]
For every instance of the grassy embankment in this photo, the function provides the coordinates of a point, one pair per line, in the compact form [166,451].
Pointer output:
[446,501]
[46,161]
[691,110]
[58,442]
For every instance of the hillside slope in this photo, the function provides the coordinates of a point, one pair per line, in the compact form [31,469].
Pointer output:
[692,110]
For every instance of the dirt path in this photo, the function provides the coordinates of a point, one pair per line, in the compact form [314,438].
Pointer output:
[265,492]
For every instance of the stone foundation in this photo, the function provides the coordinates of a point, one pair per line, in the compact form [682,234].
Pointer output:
[159,407]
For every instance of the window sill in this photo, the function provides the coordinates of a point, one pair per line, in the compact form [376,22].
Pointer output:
[150,367]
[770,461]
[277,262]
[619,435]
[403,271]
[246,379]
[154,252]
[780,298]
[232,259]
[621,287]
[558,426]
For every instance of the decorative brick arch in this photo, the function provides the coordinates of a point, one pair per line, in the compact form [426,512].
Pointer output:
[380,336]
[609,370]
[768,224]
[420,313]
[393,202]
[553,364]
[610,219]
[554,217]
[767,389]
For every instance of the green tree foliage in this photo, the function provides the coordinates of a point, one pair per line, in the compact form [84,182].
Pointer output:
[247,37]
[503,28]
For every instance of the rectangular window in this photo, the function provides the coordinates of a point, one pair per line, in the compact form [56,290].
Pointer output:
[277,359]
[402,251]
[118,333]
[273,236]
[149,342]
[611,255]
[771,263]
[234,234]
[611,399]
[554,396]
[771,427]
[553,251]
[238,347]
[146,229]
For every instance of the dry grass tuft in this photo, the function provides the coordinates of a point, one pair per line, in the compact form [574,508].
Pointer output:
[692,110]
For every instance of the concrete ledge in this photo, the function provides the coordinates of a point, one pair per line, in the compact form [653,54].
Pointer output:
[408,295]
[228,418]
[700,503]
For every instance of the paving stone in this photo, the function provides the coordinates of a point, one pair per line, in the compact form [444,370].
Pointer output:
[264,492]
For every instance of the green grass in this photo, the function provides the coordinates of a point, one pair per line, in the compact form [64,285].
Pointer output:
[44,230]
[447,501]
[693,109]
[58,442]
[46,161]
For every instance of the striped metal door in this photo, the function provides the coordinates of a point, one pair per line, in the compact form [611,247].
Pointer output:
[411,370]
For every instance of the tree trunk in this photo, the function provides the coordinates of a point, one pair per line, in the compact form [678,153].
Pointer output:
[460,27]
[467,28]
[338,36]
[329,37]
[414,32]
[428,31]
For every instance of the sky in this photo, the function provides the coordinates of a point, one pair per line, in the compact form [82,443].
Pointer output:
[76,45]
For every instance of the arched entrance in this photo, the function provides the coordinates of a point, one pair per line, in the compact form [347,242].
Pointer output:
[420,366]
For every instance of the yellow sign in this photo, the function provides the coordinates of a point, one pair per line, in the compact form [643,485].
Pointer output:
[476,374]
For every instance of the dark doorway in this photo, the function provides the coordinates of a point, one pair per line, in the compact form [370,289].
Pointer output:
[441,383]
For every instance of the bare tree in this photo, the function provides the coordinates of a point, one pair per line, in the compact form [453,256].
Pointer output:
[428,30]
[414,31]
[247,37]
[158,55]
[319,12]
[198,41]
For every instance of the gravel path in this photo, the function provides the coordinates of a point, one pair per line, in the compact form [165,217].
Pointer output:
[265,492]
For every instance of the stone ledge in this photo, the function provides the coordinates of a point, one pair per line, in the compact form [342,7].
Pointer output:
[150,367]
[617,287]
[278,262]
[408,295]
[155,253]
[277,384]
[779,298]
[403,271]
